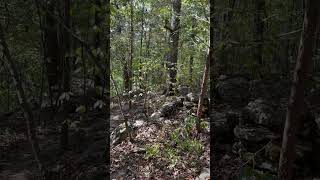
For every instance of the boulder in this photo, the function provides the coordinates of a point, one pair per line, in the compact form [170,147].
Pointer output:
[156,115]
[191,97]
[232,90]
[94,173]
[138,124]
[272,152]
[119,134]
[259,112]
[170,108]
[273,88]
[205,174]
[223,126]
[183,90]
[25,175]
[189,105]
[253,134]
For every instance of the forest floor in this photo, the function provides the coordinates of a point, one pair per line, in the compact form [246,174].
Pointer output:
[84,159]
[153,152]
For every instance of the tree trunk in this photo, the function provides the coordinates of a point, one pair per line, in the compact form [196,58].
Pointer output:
[141,46]
[174,42]
[52,49]
[67,44]
[131,47]
[296,111]
[259,30]
[212,75]
[202,92]
[191,56]
[24,103]
[98,38]
[107,78]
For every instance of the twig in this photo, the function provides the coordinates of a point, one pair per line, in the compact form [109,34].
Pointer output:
[121,109]
[254,154]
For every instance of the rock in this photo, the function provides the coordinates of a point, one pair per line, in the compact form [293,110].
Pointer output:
[25,175]
[253,134]
[188,104]
[115,118]
[221,149]
[136,92]
[94,153]
[223,125]
[156,115]
[233,90]
[226,157]
[78,139]
[222,77]
[247,156]
[94,173]
[272,152]
[274,88]
[205,174]
[238,148]
[260,112]
[191,97]
[183,90]
[303,149]
[138,124]
[170,108]
[119,134]
[267,166]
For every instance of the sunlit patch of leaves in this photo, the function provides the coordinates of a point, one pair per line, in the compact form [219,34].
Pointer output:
[152,151]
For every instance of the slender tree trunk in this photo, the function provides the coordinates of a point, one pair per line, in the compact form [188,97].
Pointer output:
[202,92]
[296,111]
[129,67]
[259,30]
[191,56]
[174,42]
[131,46]
[98,38]
[148,49]
[107,77]
[52,50]
[67,44]
[24,103]
[141,46]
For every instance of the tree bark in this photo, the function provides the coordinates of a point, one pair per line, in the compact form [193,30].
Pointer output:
[98,38]
[174,45]
[202,92]
[141,47]
[191,56]
[212,76]
[67,44]
[259,30]
[52,50]
[24,103]
[295,112]
[107,79]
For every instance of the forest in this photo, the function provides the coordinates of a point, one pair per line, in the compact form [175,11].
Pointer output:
[159,89]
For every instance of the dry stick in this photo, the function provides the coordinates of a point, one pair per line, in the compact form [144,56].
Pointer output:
[24,103]
[254,154]
[145,103]
[121,109]
[43,60]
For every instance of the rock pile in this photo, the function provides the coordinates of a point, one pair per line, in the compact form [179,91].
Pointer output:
[258,121]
